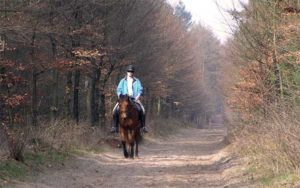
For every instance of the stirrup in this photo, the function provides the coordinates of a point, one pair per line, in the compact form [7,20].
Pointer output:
[114,130]
[144,130]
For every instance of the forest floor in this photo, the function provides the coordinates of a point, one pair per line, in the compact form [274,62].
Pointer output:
[190,158]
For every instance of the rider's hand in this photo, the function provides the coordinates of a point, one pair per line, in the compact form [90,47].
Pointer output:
[137,98]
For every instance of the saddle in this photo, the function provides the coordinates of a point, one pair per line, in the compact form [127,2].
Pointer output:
[136,104]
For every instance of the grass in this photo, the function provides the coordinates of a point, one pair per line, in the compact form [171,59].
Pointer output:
[11,169]
[49,146]
[271,145]
[165,127]
[41,158]
[283,180]
[266,181]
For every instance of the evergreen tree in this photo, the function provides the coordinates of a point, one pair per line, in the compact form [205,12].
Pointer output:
[183,14]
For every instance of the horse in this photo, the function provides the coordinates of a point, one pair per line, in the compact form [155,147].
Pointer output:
[129,122]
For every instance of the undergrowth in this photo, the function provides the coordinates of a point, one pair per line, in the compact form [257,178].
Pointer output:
[160,127]
[33,161]
[50,145]
[272,148]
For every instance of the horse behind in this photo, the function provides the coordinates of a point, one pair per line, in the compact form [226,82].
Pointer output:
[129,126]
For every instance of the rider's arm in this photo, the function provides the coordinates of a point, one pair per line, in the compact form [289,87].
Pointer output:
[139,88]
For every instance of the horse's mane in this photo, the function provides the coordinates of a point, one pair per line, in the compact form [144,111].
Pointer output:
[123,98]
[131,104]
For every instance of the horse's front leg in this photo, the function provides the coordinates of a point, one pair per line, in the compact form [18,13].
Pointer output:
[124,149]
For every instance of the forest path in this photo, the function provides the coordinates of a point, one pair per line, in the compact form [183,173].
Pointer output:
[191,158]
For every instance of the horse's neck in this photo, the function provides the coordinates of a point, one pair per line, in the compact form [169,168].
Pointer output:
[131,107]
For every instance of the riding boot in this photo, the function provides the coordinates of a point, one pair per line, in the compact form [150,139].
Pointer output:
[143,120]
[115,126]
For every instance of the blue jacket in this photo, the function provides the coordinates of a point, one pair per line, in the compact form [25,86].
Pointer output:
[137,87]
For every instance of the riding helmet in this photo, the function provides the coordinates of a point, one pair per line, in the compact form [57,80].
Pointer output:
[130,68]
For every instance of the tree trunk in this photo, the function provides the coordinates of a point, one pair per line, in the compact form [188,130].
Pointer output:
[102,110]
[9,110]
[151,106]
[92,101]
[278,82]
[55,78]
[54,107]
[88,91]
[94,97]
[67,99]
[76,96]
[158,106]
[97,96]
[34,84]
[34,98]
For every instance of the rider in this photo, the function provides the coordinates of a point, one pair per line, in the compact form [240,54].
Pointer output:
[132,87]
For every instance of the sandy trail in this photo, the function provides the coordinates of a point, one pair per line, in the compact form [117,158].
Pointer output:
[191,158]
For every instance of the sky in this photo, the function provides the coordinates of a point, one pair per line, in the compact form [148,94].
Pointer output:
[209,14]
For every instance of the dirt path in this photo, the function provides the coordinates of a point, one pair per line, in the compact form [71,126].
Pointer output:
[192,158]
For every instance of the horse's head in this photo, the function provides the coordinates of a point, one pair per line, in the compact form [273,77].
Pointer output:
[124,102]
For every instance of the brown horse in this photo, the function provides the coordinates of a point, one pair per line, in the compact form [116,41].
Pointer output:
[129,126]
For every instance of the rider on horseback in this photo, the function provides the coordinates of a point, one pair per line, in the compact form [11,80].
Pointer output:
[132,87]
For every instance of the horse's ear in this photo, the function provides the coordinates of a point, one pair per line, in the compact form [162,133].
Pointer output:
[123,97]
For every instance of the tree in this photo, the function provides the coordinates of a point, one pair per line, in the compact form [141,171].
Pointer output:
[183,14]
[74,46]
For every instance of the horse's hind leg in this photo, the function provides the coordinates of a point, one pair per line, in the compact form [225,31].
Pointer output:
[137,148]
[131,150]
[124,149]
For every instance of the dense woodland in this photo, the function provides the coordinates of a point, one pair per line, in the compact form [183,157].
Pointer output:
[63,60]
[263,95]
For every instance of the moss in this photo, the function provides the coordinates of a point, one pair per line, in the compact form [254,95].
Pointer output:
[285,180]
[12,169]
[41,158]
